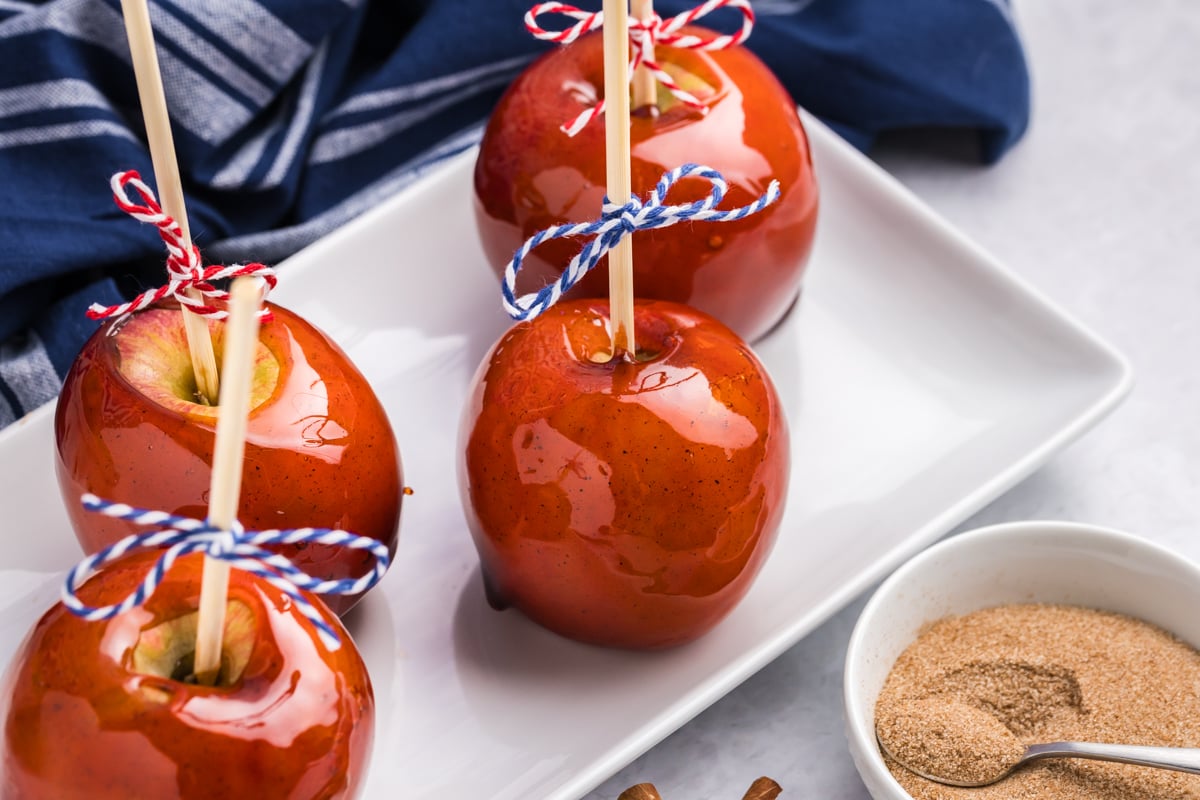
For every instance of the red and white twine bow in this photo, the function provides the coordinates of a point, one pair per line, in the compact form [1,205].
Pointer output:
[643,36]
[184,269]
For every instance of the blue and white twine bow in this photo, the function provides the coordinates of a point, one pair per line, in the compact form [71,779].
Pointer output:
[242,549]
[615,223]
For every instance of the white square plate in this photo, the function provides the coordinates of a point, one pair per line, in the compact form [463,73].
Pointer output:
[921,378]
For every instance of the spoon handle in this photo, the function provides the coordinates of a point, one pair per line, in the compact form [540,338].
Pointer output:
[1181,759]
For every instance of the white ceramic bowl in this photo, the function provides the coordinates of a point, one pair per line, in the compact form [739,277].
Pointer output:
[1045,562]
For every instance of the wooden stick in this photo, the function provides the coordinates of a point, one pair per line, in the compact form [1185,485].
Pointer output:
[645,88]
[643,791]
[763,789]
[616,141]
[241,339]
[166,176]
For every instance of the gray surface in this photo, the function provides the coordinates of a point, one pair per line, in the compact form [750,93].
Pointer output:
[1099,207]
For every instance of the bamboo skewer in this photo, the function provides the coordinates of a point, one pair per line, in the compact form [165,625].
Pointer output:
[645,88]
[166,177]
[241,338]
[616,141]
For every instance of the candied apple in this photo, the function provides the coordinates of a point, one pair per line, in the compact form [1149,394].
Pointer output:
[320,451]
[624,501]
[530,175]
[103,710]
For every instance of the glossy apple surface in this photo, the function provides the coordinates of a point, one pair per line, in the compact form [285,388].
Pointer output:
[91,710]
[320,451]
[623,502]
[530,175]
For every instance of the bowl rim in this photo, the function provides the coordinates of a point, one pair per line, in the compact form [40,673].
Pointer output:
[862,742]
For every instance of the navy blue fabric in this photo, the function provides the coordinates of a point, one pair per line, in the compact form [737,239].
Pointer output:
[293,116]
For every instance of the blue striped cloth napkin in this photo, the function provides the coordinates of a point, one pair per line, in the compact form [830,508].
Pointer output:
[293,116]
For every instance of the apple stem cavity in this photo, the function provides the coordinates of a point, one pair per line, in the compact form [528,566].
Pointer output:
[166,175]
[617,155]
[241,338]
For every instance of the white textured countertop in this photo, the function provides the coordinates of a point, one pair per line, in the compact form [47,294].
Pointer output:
[1098,207]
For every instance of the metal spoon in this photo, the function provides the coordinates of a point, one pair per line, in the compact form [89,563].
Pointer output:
[1180,759]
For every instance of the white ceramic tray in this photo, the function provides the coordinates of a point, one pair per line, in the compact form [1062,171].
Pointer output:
[921,379]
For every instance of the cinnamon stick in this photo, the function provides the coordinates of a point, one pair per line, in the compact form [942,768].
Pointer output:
[763,789]
[643,791]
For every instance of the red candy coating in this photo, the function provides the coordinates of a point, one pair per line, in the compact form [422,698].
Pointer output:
[320,451]
[630,502]
[530,175]
[81,722]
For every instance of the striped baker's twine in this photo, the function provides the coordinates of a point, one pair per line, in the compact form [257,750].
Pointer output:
[242,549]
[643,36]
[615,223]
[184,270]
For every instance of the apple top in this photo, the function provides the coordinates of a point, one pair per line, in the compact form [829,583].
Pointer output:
[617,222]
[178,536]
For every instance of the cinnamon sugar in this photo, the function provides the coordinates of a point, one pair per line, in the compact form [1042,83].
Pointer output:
[972,690]
[948,739]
